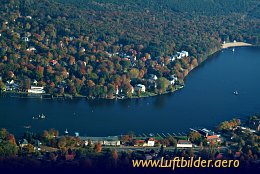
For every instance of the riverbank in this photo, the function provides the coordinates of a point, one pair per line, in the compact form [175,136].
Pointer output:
[235,44]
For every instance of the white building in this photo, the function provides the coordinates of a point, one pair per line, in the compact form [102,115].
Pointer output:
[35,82]
[171,81]
[106,141]
[31,49]
[23,143]
[174,76]
[140,87]
[182,54]
[184,144]
[25,39]
[185,53]
[150,142]
[36,90]
[153,77]
[173,58]
[111,143]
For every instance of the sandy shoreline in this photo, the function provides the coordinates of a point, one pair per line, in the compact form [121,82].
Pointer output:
[235,44]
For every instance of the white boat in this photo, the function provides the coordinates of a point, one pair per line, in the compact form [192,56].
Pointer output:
[27,127]
[66,131]
[236,93]
[233,49]
[42,116]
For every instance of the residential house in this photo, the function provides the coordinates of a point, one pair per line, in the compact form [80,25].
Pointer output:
[181,54]
[150,142]
[184,144]
[25,39]
[37,145]
[171,81]
[23,143]
[11,85]
[173,58]
[140,87]
[153,77]
[117,90]
[174,76]
[213,138]
[185,53]
[139,143]
[36,90]
[35,82]
[178,55]
[31,49]
[151,84]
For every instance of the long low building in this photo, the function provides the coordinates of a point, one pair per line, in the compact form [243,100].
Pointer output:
[184,144]
[106,141]
[36,90]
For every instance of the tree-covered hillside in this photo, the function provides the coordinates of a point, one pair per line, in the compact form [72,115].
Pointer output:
[92,47]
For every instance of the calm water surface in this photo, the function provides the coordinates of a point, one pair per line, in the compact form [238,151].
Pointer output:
[206,100]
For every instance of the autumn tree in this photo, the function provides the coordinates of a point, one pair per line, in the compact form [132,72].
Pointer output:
[134,73]
[195,137]
[162,84]
[8,149]
[172,141]
[2,86]
[98,147]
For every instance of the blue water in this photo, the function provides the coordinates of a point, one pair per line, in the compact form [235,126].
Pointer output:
[206,100]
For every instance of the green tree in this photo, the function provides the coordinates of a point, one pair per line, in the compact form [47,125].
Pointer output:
[162,84]
[172,141]
[3,133]
[2,86]
[195,137]
[8,149]
[134,73]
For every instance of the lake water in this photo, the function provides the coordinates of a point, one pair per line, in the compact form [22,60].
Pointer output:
[206,100]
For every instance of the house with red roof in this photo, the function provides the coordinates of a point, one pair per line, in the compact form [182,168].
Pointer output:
[184,144]
[214,138]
